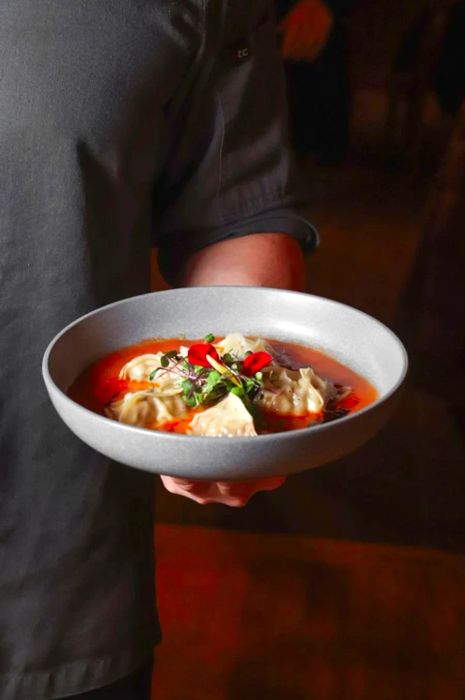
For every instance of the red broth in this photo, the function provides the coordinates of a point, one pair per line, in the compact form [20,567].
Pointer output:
[99,384]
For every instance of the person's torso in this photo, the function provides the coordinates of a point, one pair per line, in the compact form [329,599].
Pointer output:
[85,86]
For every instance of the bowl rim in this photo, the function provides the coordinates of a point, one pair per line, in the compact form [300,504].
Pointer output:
[238,440]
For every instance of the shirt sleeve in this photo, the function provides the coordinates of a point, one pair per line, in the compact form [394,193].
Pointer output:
[229,170]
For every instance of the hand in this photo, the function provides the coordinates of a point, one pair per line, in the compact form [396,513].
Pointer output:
[230,493]
[305,30]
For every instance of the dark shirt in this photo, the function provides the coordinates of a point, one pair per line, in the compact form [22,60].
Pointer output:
[122,123]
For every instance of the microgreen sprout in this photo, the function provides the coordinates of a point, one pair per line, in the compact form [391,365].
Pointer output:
[206,383]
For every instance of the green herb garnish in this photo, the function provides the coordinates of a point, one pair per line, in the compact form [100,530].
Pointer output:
[167,357]
[208,383]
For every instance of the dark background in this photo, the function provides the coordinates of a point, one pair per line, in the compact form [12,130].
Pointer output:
[349,581]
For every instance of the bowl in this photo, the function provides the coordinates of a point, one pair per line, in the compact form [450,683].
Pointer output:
[350,336]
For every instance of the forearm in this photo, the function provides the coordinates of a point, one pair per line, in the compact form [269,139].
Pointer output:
[261,259]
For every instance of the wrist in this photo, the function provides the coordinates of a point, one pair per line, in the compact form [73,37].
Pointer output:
[263,260]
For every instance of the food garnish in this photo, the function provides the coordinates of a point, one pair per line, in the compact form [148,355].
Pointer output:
[208,376]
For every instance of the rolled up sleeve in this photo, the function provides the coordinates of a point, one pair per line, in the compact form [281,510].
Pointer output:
[230,171]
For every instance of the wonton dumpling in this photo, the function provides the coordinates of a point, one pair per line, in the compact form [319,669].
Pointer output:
[229,418]
[294,392]
[237,345]
[141,367]
[145,409]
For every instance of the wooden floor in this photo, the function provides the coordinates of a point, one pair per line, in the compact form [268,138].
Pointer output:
[255,616]
[349,582]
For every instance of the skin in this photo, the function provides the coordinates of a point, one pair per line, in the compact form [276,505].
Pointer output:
[259,260]
[305,30]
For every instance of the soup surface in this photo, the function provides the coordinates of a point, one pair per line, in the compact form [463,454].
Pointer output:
[232,386]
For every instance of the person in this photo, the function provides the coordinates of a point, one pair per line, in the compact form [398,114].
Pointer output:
[123,124]
[314,49]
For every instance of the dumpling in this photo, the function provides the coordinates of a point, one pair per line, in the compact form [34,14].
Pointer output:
[141,367]
[294,392]
[228,418]
[237,345]
[146,409]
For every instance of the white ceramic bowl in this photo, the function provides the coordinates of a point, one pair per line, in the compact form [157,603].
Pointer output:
[350,336]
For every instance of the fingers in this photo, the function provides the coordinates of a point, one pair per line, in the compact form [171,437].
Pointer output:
[203,492]
[234,487]
[242,491]
[234,494]
[237,494]
[197,491]
[184,484]
[272,483]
